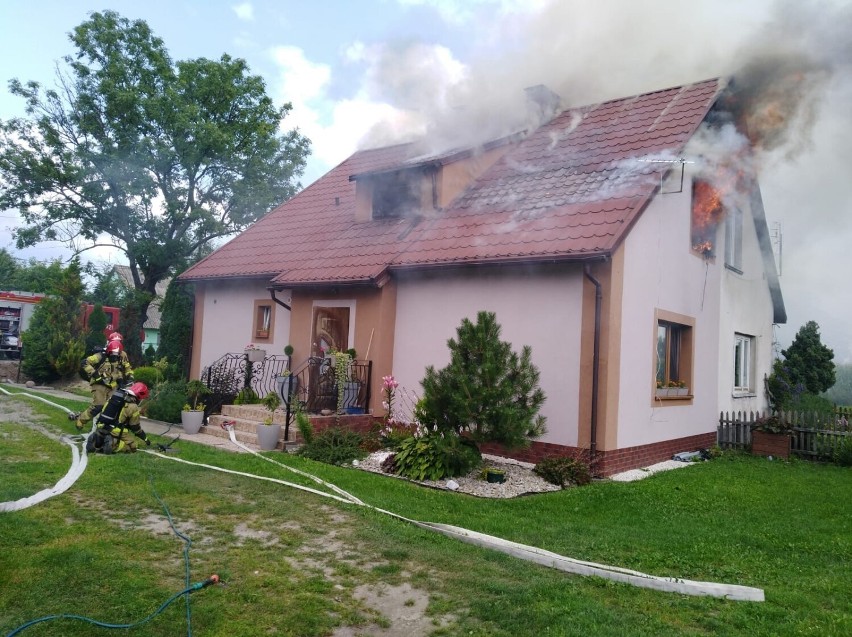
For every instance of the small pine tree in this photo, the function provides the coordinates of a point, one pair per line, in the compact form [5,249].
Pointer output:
[95,330]
[53,342]
[487,390]
[176,328]
[806,369]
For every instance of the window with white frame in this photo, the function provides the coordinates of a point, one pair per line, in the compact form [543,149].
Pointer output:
[734,240]
[743,366]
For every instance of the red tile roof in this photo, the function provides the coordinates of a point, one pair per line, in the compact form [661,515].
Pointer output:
[568,190]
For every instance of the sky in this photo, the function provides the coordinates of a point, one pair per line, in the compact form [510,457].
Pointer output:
[373,72]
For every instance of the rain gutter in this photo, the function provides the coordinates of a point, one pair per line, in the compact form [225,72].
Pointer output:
[593,429]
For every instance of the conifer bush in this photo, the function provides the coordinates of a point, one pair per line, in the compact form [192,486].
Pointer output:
[488,392]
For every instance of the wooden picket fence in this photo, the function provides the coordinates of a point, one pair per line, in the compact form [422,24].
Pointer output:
[815,435]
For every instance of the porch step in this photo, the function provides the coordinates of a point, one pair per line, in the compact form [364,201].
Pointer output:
[245,429]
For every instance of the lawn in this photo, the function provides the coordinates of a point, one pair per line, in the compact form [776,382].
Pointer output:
[294,563]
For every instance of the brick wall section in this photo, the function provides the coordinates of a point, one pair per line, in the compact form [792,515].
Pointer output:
[361,423]
[608,463]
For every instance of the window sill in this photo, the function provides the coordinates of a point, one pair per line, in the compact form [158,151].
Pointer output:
[732,268]
[673,400]
[744,394]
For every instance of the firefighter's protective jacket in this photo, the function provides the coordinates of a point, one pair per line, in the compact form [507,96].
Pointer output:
[101,370]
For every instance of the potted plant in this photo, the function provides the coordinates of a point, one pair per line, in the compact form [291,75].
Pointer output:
[268,432]
[286,382]
[771,436]
[192,414]
[254,354]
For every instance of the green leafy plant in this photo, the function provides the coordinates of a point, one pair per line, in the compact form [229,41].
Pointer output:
[149,375]
[288,350]
[564,471]
[843,452]
[247,396]
[334,446]
[341,376]
[303,424]
[195,389]
[271,401]
[436,456]
[775,424]
[166,401]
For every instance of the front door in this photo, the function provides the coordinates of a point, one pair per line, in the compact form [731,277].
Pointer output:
[330,330]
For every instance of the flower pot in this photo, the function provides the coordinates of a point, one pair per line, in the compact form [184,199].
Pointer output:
[765,443]
[192,421]
[682,391]
[255,355]
[287,386]
[267,436]
[495,477]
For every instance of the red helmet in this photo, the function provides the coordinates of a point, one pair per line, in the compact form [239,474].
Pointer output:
[114,347]
[115,336]
[140,390]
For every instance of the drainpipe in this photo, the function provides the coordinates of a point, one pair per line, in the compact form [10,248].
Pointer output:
[279,301]
[595,361]
[286,402]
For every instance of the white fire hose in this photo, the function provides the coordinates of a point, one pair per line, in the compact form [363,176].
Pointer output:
[79,460]
[521,551]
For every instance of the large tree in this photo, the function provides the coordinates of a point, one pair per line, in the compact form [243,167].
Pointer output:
[156,158]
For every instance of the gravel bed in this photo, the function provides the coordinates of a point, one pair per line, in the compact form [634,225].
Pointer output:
[520,478]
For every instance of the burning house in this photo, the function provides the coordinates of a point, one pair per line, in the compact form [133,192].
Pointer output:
[611,238]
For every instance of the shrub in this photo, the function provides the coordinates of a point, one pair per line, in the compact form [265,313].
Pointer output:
[333,446]
[247,396]
[151,376]
[564,471]
[393,433]
[843,453]
[436,456]
[486,390]
[166,402]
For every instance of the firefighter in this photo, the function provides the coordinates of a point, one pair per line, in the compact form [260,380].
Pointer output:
[106,371]
[118,424]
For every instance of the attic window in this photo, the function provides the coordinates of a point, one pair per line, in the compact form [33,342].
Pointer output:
[707,212]
[396,195]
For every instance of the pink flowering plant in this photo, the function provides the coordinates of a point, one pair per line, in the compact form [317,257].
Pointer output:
[251,346]
[394,429]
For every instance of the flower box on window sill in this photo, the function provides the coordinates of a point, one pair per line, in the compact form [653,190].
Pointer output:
[262,334]
[672,392]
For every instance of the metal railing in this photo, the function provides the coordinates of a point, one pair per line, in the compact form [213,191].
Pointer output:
[313,383]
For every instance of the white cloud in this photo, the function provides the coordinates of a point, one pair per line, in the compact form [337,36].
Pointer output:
[464,11]
[244,11]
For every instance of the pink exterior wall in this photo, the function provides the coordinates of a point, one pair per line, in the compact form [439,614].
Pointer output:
[227,318]
[661,272]
[536,307]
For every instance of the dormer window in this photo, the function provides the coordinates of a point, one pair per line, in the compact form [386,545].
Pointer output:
[397,195]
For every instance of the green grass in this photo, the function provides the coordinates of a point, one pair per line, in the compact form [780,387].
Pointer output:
[292,560]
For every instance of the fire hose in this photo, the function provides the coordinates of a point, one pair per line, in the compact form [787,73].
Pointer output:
[78,465]
[515,549]
[521,551]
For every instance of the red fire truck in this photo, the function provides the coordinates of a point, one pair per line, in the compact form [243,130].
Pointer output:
[16,310]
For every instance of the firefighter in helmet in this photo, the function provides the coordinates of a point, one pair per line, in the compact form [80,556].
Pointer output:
[106,371]
[119,422]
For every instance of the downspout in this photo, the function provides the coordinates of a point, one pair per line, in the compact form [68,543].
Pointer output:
[279,301]
[593,429]
[286,401]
